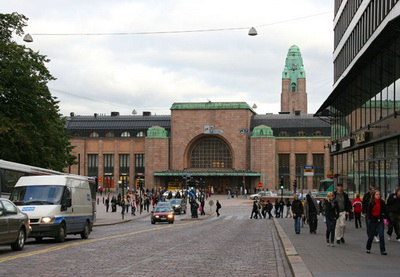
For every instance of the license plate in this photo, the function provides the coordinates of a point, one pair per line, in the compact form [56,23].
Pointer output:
[163,218]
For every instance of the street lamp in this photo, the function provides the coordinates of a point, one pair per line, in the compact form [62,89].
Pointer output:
[28,38]
[252,31]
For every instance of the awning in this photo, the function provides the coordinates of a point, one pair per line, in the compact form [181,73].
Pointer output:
[209,174]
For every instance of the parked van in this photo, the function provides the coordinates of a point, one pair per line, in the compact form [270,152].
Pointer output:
[57,205]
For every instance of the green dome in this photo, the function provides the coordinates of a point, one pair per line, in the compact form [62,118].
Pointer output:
[294,68]
[262,131]
[157,132]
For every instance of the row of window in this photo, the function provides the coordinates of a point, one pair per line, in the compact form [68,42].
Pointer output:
[346,16]
[142,134]
[108,163]
[375,91]
[373,15]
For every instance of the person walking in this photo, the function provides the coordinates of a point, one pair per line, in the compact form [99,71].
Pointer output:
[344,208]
[331,211]
[298,213]
[218,205]
[288,208]
[107,203]
[133,206]
[269,209]
[254,210]
[393,208]
[311,210]
[366,199]
[377,213]
[276,206]
[281,207]
[357,209]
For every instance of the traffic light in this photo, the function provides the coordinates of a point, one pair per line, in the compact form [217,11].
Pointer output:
[281,182]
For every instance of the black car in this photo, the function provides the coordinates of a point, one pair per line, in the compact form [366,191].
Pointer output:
[179,205]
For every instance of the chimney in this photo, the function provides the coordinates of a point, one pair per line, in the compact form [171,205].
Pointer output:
[71,114]
[114,113]
[146,113]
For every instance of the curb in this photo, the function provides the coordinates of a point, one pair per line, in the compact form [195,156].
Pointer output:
[297,265]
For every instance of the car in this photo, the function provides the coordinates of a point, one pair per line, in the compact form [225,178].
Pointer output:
[165,204]
[162,214]
[14,225]
[261,194]
[179,205]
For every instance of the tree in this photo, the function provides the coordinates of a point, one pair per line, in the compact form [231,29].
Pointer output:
[31,127]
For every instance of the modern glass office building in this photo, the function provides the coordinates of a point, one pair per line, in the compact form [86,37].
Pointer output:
[364,106]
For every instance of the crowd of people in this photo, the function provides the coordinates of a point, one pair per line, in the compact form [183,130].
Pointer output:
[336,210]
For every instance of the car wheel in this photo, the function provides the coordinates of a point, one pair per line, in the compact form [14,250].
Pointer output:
[153,222]
[86,231]
[255,198]
[171,222]
[62,233]
[20,242]
[184,211]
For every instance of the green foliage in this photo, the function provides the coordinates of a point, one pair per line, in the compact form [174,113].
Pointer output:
[31,127]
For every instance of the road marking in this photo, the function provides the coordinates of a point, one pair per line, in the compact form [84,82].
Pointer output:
[63,246]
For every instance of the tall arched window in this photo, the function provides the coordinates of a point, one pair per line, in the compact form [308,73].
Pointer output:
[210,152]
[294,87]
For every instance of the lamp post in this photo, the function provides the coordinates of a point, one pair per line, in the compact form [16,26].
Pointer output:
[281,184]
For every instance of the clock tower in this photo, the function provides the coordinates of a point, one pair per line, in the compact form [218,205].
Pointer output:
[294,95]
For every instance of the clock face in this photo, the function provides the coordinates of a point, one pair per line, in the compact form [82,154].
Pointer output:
[294,66]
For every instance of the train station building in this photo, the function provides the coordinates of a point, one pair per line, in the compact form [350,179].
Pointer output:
[218,145]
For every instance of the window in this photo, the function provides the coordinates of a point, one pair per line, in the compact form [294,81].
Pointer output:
[140,134]
[125,134]
[94,135]
[210,152]
[318,133]
[301,134]
[124,163]
[76,134]
[139,163]
[283,133]
[93,164]
[108,163]
[294,87]
[109,135]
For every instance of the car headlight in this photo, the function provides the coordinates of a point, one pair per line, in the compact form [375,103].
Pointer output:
[170,216]
[157,216]
[47,219]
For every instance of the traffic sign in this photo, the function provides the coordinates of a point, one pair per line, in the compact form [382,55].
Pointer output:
[308,170]
[260,185]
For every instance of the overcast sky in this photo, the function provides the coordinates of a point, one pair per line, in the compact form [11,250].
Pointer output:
[150,66]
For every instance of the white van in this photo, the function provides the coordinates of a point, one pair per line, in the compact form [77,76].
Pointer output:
[57,205]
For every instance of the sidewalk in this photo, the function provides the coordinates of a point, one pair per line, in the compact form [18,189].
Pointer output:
[309,255]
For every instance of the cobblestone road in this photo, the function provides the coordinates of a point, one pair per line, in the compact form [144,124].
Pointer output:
[230,245]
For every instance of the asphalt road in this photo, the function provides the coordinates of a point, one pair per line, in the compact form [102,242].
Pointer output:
[229,245]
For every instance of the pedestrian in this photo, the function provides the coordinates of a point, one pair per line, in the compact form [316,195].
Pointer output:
[254,210]
[393,208]
[269,209]
[276,206]
[202,205]
[344,208]
[331,211]
[133,206]
[357,209]
[298,213]
[288,208]
[146,203]
[113,204]
[107,203]
[264,209]
[259,216]
[377,213]
[311,210]
[366,199]
[218,207]
[281,207]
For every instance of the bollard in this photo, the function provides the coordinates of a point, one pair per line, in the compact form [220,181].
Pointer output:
[103,199]
[97,201]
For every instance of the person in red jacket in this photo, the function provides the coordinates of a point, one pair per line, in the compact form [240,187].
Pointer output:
[357,209]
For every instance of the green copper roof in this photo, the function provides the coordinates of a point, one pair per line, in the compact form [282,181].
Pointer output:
[262,131]
[294,68]
[157,132]
[212,106]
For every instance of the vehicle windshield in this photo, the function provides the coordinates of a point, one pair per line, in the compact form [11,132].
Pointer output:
[162,210]
[175,201]
[164,204]
[37,195]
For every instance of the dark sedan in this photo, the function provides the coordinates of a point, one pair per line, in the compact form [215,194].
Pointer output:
[162,214]
[14,225]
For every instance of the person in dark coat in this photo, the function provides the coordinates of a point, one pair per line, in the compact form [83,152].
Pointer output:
[107,203]
[311,210]
[218,207]
[331,211]
[393,208]
[298,213]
